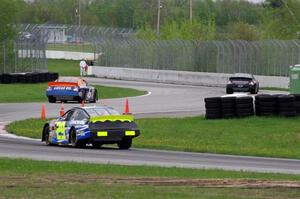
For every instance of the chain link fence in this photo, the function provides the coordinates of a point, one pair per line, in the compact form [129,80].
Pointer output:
[117,47]
[271,57]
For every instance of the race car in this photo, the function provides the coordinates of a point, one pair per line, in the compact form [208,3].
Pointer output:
[91,125]
[71,89]
[242,82]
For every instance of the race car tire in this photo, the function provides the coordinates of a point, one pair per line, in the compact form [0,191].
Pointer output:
[74,141]
[229,91]
[51,99]
[95,97]
[252,91]
[125,143]
[47,134]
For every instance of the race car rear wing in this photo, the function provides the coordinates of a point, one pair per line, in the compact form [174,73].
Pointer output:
[112,118]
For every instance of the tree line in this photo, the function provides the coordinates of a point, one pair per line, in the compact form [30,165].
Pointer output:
[179,19]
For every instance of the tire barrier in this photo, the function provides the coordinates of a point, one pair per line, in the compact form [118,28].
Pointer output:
[28,77]
[228,107]
[244,106]
[265,105]
[286,105]
[213,108]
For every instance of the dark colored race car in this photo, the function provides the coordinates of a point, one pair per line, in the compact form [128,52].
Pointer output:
[242,82]
[91,125]
[71,89]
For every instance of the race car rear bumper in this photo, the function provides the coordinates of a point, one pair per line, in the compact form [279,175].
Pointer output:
[114,135]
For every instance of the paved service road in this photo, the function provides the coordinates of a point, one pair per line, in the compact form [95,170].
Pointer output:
[164,100]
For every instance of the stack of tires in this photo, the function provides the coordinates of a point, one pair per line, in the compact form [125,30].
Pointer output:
[213,107]
[244,106]
[286,105]
[265,105]
[228,107]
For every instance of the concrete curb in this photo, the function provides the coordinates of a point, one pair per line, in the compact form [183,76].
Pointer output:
[181,77]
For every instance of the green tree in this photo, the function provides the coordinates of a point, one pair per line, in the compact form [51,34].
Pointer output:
[8,19]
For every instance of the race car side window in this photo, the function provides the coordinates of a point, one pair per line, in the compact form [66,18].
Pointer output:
[80,115]
[69,115]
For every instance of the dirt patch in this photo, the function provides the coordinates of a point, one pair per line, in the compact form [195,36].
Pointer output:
[42,181]
[214,183]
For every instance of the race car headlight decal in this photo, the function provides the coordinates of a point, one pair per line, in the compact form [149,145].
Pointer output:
[102,133]
[129,133]
[49,88]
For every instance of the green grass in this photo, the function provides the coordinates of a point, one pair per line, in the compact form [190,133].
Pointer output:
[40,179]
[19,93]
[257,136]
[64,67]
[72,47]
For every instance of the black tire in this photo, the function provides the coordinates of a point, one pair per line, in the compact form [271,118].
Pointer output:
[245,110]
[228,105]
[228,111]
[125,143]
[51,99]
[244,100]
[265,104]
[228,100]
[47,134]
[244,106]
[212,100]
[229,91]
[265,98]
[253,91]
[266,109]
[297,97]
[95,97]
[286,98]
[212,105]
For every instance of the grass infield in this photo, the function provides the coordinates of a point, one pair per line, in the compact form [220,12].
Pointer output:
[40,179]
[19,93]
[254,136]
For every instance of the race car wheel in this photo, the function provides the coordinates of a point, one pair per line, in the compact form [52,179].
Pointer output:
[74,141]
[125,143]
[47,135]
[51,99]
[95,97]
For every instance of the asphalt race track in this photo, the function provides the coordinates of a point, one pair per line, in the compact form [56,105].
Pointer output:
[163,100]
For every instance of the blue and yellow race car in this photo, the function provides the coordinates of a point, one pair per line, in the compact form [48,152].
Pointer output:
[91,125]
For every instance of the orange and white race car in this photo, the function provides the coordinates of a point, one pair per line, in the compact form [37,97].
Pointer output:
[71,89]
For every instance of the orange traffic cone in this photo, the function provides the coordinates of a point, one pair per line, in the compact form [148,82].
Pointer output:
[126,111]
[62,109]
[82,103]
[43,113]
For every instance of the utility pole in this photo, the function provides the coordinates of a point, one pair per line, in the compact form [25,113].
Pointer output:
[191,11]
[79,13]
[158,18]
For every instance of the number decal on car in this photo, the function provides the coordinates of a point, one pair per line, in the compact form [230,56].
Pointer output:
[60,131]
